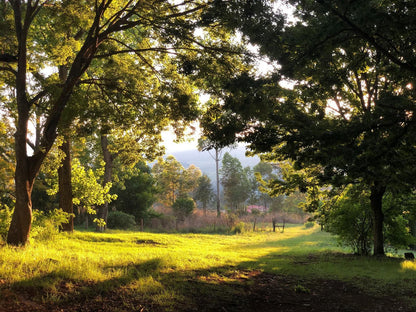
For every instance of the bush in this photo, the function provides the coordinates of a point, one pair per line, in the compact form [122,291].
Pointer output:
[5,219]
[240,227]
[231,219]
[396,220]
[45,226]
[350,218]
[120,220]
[183,207]
[309,225]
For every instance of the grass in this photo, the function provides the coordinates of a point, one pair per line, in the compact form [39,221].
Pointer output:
[165,270]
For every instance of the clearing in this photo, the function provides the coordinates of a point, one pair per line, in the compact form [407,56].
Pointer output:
[299,270]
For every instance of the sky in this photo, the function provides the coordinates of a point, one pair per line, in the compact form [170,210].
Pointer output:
[189,142]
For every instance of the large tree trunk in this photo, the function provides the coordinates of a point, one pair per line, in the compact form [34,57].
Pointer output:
[376,201]
[108,174]
[27,167]
[24,173]
[22,217]
[65,185]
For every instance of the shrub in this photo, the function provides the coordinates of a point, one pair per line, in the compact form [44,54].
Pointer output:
[5,219]
[238,228]
[46,225]
[120,220]
[350,218]
[231,219]
[183,207]
[396,220]
[309,225]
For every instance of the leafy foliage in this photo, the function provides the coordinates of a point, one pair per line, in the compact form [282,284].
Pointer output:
[107,63]
[204,192]
[87,190]
[120,220]
[7,159]
[173,180]
[234,181]
[350,114]
[46,224]
[350,218]
[5,219]
[399,213]
[183,207]
[137,193]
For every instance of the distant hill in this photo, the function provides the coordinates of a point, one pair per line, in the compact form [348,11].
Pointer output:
[206,163]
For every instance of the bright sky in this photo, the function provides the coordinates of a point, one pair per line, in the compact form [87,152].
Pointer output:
[190,141]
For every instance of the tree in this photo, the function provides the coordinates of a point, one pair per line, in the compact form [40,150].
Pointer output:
[351,111]
[189,181]
[263,172]
[203,144]
[136,194]
[167,173]
[234,182]
[351,219]
[87,190]
[141,107]
[173,180]
[386,26]
[252,186]
[183,207]
[102,29]
[204,192]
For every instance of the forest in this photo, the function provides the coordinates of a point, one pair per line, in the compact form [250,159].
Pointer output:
[93,210]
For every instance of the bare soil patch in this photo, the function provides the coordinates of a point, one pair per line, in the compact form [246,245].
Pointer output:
[282,293]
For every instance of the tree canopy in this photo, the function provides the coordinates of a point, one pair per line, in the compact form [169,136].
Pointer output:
[351,111]
[64,61]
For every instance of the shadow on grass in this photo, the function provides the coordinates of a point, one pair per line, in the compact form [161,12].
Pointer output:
[149,286]
[52,290]
[279,281]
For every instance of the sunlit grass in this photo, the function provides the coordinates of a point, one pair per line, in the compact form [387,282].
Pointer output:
[102,256]
[157,267]
[408,266]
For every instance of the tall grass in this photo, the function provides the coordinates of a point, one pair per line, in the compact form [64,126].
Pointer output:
[199,222]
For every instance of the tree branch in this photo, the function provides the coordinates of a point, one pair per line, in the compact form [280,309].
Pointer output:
[30,143]
[38,97]
[365,35]
[9,69]
[8,58]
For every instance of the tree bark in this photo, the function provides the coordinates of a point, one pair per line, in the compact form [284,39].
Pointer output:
[24,173]
[108,174]
[65,185]
[22,217]
[376,202]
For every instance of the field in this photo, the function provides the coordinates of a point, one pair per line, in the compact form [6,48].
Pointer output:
[298,270]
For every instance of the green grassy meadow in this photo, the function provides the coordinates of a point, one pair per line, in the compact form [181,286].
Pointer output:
[166,271]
